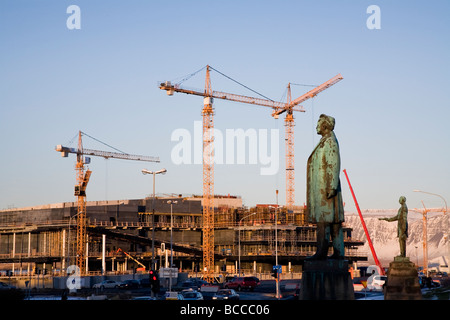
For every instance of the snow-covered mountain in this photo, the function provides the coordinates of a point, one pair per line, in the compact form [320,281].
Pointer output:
[384,235]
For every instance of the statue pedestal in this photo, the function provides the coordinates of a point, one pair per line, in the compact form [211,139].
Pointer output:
[326,280]
[402,281]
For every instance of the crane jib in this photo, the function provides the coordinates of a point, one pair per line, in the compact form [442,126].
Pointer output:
[231,97]
[105,154]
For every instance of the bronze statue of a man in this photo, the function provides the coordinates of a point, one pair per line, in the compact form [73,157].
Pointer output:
[324,205]
[402,226]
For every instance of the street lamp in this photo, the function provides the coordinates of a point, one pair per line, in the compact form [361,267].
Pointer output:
[239,240]
[435,194]
[276,248]
[154,173]
[276,233]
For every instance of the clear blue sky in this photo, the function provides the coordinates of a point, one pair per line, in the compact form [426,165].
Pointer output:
[392,109]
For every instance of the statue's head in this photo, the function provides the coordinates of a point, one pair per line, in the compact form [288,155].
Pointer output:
[402,200]
[325,124]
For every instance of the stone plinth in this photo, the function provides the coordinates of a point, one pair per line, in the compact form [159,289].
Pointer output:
[402,281]
[326,280]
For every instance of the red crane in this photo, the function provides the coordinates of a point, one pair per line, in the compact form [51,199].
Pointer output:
[372,249]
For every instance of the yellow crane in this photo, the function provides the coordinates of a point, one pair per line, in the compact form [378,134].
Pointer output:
[83,176]
[424,213]
[131,257]
[208,138]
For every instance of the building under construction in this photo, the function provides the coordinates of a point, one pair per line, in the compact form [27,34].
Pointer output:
[126,235]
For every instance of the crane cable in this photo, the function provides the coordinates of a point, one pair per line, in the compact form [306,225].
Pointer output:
[312,110]
[85,134]
[187,77]
[240,84]
[304,85]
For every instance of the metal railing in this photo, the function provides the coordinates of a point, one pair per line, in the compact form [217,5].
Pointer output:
[136,224]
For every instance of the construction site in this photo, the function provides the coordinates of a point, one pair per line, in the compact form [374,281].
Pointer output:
[205,234]
[42,239]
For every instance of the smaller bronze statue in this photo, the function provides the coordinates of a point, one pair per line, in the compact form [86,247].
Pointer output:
[402,228]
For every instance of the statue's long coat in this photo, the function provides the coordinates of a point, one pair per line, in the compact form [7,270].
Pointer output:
[323,171]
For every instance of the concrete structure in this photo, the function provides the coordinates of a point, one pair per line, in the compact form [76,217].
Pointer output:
[402,281]
[327,280]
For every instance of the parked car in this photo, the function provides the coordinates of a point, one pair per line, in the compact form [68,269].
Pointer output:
[191,295]
[428,282]
[129,284]
[144,298]
[193,283]
[226,294]
[106,284]
[240,283]
[375,282]
[4,286]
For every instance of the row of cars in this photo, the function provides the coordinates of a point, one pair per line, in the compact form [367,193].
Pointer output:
[235,283]
[192,289]
[197,289]
[191,294]
[376,282]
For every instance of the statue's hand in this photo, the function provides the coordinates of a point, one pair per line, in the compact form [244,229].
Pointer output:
[331,193]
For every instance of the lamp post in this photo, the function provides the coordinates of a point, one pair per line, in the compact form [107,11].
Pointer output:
[276,233]
[276,247]
[435,194]
[154,173]
[239,240]
[171,202]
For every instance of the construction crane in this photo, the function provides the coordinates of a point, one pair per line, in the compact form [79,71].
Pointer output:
[131,257]
[208,158]
[83,177]
[289,133]
[424,213]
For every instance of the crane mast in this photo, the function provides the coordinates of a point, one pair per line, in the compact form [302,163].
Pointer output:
[208,181]
[289,133]
[80,193]
[83,175]
[289,151]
